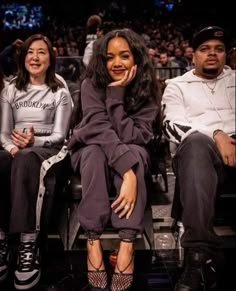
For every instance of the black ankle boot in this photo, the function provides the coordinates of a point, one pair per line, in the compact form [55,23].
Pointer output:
[199,273]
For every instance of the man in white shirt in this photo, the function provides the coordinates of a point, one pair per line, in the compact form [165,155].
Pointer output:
[199,110]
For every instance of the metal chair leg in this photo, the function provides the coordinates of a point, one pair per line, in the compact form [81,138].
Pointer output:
[180,231]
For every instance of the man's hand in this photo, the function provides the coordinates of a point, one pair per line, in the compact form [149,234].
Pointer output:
[227,148]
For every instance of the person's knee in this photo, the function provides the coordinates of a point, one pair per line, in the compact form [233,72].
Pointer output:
[197,151]
[25,158]
[196,145]
[94,155]
[197,139]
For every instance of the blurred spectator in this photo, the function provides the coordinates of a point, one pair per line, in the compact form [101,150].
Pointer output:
[90,32]
[8,58]
[188,56]
[72,48]
[62,50]
[166,67]
[179,57]
[1,79]
[2,85]
[171,49]
[153,52]
[89,48]
[232,58]
[70,69]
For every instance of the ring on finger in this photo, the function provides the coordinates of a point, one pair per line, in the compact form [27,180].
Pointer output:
[127,206]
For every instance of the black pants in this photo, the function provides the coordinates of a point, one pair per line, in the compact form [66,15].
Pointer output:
[95,208]
[5,173]
[20,180]
[201,173]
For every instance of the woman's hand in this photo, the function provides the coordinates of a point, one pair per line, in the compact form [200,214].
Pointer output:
[128,77]
[23,139]
[227,148]
[13,151]
[125,202]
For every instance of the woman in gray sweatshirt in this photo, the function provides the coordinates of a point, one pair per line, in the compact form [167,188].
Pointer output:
[119,105]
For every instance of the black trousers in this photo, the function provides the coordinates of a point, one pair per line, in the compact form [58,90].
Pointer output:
[201,173]
[20,180]
[95,208]
[5,173]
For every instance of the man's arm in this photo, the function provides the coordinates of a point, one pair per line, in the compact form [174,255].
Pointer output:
[177,124]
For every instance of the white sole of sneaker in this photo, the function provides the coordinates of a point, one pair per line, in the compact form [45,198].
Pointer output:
[28,286]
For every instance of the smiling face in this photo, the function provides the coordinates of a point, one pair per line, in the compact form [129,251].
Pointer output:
[37,60]
[119,58]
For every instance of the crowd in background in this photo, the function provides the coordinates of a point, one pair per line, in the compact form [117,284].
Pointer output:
[66,23]
[168,34]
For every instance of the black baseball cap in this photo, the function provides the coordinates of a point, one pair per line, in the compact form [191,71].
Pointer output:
[210,32]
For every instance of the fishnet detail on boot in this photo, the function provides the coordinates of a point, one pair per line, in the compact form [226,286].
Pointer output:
[121,281]
[97,279]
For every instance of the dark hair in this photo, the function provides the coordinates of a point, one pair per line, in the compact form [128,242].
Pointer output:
[22,78]
[144,86]
[93,22]
[152,44]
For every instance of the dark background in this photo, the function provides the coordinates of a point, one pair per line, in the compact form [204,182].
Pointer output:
[199,13]
[201,10]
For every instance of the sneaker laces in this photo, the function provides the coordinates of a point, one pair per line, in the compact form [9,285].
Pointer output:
[3,251]
[26,256]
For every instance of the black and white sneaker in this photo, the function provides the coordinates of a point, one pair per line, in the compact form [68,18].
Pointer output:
[4,257]
[28,271]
